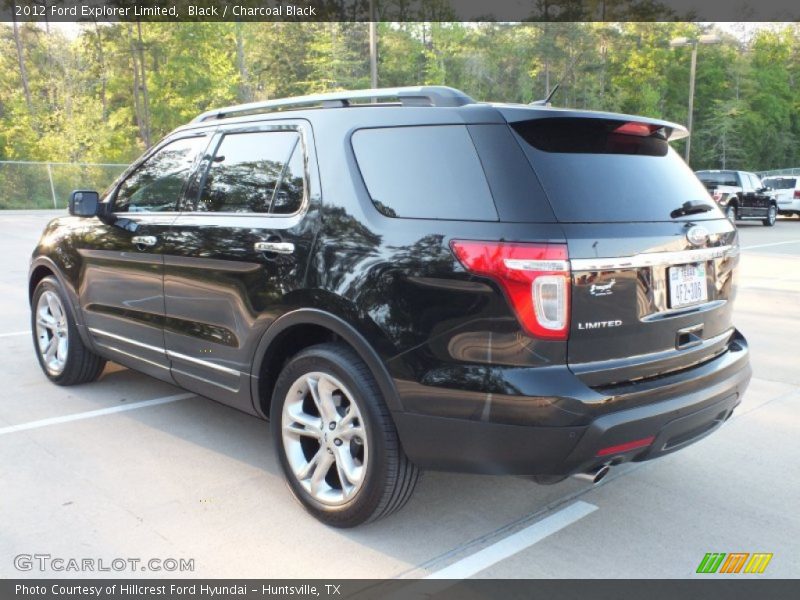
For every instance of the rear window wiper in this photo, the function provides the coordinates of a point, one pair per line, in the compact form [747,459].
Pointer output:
[692,207]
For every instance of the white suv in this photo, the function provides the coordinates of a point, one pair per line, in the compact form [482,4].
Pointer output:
[786,192]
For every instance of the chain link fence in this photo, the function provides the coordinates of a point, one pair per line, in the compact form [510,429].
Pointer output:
[25,184]
[774,172]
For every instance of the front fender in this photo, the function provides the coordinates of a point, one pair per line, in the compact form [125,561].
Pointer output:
[42,261]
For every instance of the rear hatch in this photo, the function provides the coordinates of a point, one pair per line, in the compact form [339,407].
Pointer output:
[652,256]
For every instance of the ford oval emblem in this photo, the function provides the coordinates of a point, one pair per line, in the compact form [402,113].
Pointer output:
[697,235]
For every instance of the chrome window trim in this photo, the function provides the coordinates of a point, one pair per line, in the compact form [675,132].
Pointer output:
[215,133]
[653,259]
[300,127]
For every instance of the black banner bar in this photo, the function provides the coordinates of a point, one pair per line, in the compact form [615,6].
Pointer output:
[398,10]
[708,588]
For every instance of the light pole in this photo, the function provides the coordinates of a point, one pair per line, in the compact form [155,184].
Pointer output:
[373,47]
[693,42]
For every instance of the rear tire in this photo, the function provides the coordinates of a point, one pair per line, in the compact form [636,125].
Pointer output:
[772,215]
[336,440]
[63,356]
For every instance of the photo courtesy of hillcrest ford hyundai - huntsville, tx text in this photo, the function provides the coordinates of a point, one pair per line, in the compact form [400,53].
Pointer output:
[409,279]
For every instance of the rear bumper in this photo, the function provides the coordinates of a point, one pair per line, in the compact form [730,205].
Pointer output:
[686,407]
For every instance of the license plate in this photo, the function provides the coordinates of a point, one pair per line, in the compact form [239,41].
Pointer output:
[687,285]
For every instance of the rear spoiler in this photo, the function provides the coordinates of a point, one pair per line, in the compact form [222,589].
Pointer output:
[515,114]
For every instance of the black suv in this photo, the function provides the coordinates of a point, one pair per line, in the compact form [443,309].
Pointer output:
[408,279]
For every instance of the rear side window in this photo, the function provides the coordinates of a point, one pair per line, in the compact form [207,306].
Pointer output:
[780,183]
[258,172]
[595,171]
[424,172]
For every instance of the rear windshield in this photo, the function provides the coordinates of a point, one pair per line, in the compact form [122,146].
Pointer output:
[779,183]
[594,172]
[719,177]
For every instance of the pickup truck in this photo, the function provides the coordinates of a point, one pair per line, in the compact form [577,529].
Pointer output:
[741,195]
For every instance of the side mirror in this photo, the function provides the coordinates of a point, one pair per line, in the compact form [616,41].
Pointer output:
[84,203]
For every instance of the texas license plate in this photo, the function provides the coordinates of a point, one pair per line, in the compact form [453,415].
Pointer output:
[687,285]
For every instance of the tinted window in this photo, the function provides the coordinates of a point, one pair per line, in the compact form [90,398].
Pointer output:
[289,195]
[779,183]
[428,172]
[517,193]
[156,185]
[253,172]
[719,177]
[593,173]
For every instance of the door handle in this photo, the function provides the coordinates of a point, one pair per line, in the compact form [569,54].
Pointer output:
[276,247]
[144,240]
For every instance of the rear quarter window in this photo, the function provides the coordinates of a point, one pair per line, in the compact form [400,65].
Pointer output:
[424,172]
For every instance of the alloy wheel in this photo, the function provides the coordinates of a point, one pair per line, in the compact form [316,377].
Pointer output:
[52,332]
[324,438]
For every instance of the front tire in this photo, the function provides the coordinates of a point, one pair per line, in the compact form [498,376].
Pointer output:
[63,356]
[336,440]
[772,216]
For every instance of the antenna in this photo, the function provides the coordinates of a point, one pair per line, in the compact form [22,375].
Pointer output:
[546,101]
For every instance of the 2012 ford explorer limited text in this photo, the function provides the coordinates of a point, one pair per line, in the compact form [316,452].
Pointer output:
[418,282]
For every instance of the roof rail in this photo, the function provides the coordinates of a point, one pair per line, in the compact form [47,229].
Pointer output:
[432,95]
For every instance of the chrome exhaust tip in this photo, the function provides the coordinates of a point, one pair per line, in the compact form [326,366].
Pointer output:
[595,475]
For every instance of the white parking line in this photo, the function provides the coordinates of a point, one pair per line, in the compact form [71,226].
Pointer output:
[771,244]
[469,566]
[93,413]
[26,332]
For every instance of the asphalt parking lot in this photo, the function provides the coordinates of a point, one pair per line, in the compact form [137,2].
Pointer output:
[187,478]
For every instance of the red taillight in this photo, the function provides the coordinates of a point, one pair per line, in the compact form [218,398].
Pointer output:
[797,194]
[535,278]
[634,128]
[626,447]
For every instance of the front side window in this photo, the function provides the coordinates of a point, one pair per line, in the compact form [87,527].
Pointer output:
[157,184]
[257,172]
